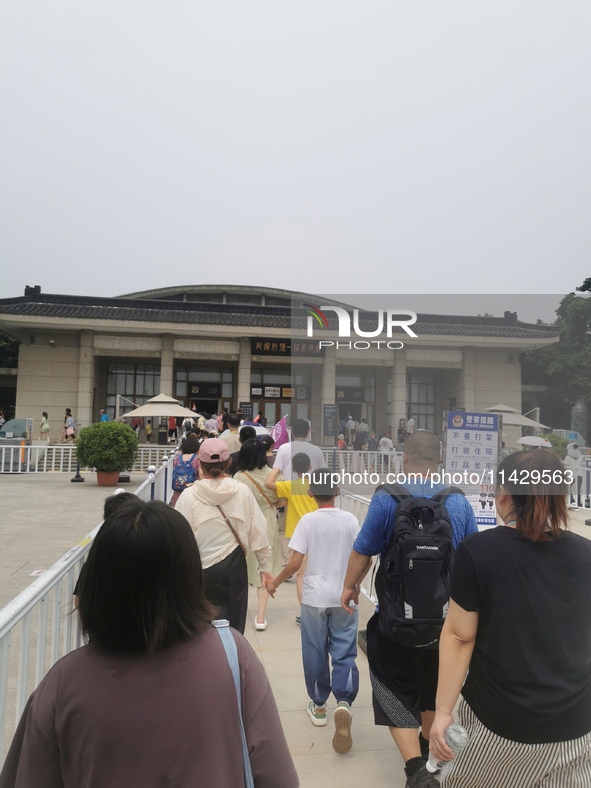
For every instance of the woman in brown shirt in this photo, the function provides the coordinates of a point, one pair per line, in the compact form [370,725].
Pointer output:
[150,702]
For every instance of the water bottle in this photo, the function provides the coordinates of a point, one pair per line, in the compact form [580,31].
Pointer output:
[456,738]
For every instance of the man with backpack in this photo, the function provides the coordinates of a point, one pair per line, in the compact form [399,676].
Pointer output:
[415,529]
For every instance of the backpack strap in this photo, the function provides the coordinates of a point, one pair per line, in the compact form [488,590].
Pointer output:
[442,496]
[396,491]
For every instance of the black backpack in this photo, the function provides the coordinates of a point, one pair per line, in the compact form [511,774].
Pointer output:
[412,581]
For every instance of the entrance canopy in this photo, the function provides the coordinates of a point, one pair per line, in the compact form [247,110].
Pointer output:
[161,405]
[513,418]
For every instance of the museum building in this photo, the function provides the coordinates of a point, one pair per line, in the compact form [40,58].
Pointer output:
[240,346]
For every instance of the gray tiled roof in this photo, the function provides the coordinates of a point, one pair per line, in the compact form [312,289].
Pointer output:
[139,310]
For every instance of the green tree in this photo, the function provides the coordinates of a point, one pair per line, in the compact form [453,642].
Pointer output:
[8,351]
[567,364]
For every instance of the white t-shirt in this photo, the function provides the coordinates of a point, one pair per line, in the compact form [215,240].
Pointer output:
[326,536]
[286,452]
[386,445]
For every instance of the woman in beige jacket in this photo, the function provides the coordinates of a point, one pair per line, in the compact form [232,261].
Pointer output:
[227,522]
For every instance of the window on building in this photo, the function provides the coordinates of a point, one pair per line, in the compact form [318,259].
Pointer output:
[136,382]
[187,374]
[420,399]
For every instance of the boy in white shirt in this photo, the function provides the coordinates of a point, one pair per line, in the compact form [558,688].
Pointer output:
[326,536]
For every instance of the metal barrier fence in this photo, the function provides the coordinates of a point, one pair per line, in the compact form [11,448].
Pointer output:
[56,458]
[358,505]
[62,459]
[39,626]
[580,490]
[360,461]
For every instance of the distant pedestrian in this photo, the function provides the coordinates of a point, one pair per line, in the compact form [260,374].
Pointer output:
[69,433]
[103,416]
[351,428]
[363,430]
[149,430]
[171,429]
[357,461]
[386,447]
[268,443]
[185,469]
[44,429]
[260,419]
[211,423]
[188,425]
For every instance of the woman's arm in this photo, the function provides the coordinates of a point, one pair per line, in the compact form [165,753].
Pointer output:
[455,652]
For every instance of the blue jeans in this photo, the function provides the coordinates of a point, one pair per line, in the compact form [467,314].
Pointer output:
[329,631]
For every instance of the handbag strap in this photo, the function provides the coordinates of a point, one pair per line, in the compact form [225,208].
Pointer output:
[260,489]
[223,629]
[231,527]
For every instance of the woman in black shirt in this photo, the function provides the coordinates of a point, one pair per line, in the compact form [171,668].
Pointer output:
[520,621]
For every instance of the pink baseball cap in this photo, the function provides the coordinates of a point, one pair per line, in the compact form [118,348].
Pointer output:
[214,450]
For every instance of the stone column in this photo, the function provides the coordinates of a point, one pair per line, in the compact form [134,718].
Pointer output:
[244,362]
[166,365]
[398,406]
[327,391]
[467,389]
[83,415]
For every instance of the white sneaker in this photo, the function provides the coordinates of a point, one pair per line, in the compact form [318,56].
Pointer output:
[317,714]
[260,627]
[342,740]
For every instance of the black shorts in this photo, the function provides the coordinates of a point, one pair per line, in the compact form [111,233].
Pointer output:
[403,679]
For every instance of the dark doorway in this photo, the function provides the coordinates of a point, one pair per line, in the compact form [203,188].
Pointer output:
[204,405]
[354,409]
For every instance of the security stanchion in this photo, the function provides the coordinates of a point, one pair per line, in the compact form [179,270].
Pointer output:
[78,477]
[152,478]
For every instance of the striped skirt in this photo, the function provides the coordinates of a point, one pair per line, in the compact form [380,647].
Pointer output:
[489,761]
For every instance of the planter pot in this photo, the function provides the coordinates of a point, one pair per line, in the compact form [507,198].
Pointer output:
[107,478]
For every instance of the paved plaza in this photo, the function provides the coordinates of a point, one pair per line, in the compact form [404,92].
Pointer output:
[44,515]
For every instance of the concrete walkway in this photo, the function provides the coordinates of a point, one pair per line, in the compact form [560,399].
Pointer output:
[43,515]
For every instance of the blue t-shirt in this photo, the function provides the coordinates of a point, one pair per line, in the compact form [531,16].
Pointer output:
[376,531]
[104,417]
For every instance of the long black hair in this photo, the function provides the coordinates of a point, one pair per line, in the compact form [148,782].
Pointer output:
[142,587]
[252,455]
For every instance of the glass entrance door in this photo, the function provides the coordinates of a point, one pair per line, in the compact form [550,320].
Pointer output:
[275,410]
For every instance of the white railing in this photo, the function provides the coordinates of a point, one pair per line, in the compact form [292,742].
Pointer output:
[360,461]
[358,505]
[580,497]
[39,625]
[62,459]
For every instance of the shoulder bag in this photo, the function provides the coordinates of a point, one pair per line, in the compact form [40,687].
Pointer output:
[231,527]
[260,489]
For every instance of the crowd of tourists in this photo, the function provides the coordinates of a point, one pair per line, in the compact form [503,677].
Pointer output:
[498,620]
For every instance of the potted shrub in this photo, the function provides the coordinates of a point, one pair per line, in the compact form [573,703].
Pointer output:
[108,446]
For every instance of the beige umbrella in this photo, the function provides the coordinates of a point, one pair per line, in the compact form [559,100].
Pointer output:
[161,405]
[513,418]
[502,409]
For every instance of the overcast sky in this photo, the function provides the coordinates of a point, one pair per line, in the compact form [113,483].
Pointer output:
[327,146]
